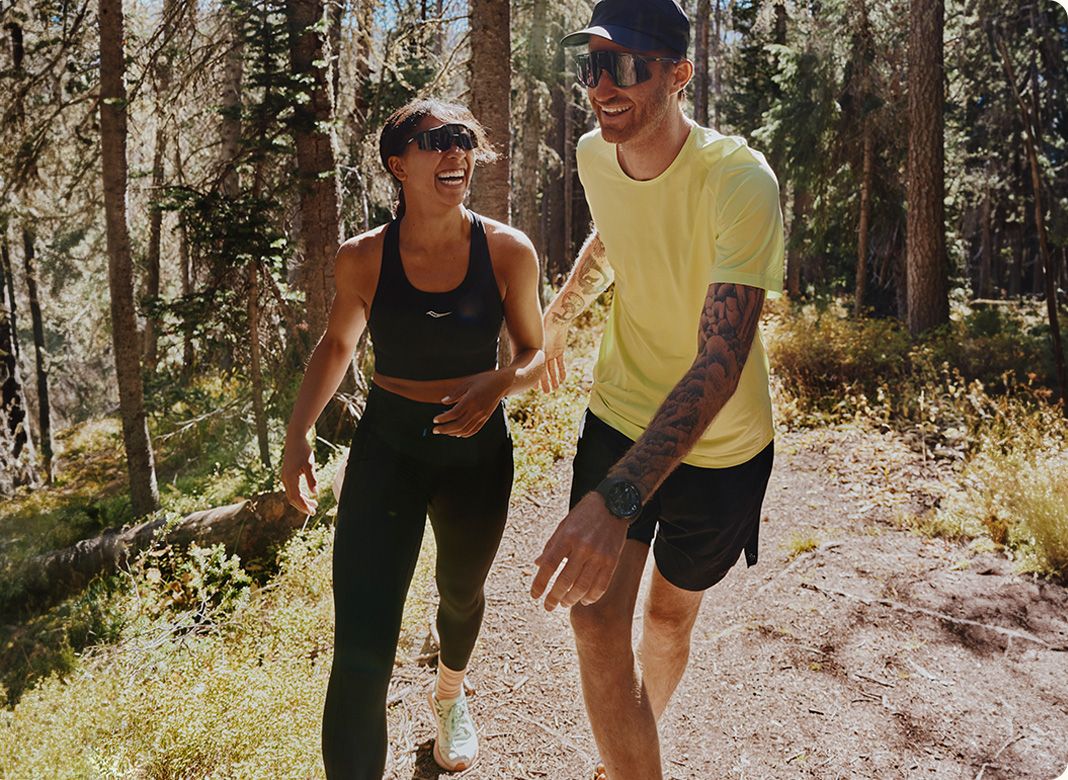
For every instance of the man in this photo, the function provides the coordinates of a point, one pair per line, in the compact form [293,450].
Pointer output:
[676,448]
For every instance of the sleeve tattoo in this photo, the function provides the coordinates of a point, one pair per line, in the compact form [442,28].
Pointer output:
[728,326]
[591,276]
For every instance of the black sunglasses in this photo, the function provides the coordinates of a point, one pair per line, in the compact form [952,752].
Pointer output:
[443,137]
[626,69]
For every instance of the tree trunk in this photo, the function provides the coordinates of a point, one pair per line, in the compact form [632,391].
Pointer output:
[335,12]
[19,461]
[553,195]
[490,79]
[569,180]
[796,257]
[1032,140]
[865,218]
[230,115]
[316,167]
[531,178]
[928,295]
[986,252]
[152,270]
[700,63]
[254,350]
[250,529]
[716,56]
[139,460]
[44,407]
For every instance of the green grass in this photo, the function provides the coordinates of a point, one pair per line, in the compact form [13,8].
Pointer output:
[801,543]
[976,392]
[187,666]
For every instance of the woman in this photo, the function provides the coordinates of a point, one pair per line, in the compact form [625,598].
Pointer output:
[433,287]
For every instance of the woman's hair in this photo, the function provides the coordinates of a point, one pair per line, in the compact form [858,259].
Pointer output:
[400,127]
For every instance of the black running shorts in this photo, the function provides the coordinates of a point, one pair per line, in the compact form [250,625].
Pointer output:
[700,519]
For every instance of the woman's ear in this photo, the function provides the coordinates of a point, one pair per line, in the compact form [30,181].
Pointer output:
[396,167]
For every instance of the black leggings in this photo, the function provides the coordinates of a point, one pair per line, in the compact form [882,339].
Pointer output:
[397,473]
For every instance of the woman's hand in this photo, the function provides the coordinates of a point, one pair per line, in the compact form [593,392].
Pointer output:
[297,460]
[473,403]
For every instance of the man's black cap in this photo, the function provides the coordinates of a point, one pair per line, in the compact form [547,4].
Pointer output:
[639,25]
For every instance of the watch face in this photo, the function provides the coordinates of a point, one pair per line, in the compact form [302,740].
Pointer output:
[624,500]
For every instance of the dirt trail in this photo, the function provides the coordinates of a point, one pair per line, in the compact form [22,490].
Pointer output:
[879,654]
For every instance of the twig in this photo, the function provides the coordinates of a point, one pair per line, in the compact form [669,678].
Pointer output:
[563,739]
[1009,632]
[991,762]
[797,562]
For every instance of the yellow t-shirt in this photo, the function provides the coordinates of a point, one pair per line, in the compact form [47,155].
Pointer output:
[712,216]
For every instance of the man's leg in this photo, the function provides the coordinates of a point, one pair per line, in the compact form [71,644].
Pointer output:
[618,706]
[670,614]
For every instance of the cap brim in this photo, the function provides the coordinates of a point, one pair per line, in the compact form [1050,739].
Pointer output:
[624,36]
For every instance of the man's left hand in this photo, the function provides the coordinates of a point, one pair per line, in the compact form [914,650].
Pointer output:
[591,539]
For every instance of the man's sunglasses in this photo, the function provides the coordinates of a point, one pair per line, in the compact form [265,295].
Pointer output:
[625,69]
[443,137]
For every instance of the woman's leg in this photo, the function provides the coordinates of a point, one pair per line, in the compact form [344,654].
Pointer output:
[468,510]
[380,524]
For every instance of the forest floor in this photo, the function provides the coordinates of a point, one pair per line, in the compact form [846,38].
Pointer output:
[878,653]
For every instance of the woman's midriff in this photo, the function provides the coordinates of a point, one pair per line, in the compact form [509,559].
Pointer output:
[425,391]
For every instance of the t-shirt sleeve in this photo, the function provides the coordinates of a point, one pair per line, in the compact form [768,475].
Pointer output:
[748,232]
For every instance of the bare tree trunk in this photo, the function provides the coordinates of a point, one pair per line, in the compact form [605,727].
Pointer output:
[44,408]
[569,179]
[319,198]
[491,73]
[139,459]
[186,267]
[152,265]
[796,256]
[1032,139]
[530,180]
[230,119]
[986,253]
[316,166]
[716,55]
[928,295]
[865,218]
[257,373]
[19,462]
[553,195]
[335,12]
[700,79]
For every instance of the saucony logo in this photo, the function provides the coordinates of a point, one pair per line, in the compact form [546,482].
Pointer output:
[438,314]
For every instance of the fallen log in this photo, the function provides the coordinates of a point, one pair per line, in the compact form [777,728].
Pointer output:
[249,529]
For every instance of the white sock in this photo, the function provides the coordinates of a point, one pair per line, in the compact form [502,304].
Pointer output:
[450,683]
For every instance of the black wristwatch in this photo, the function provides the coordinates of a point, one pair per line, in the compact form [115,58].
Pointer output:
[621,496]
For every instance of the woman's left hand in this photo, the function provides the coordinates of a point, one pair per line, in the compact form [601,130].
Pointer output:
[473,403]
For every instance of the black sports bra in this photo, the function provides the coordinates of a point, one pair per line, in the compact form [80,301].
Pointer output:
[436,335]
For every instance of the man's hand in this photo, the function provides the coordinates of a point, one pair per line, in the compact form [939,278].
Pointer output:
[297,460]
[591,539]
[473,403]
[555,345]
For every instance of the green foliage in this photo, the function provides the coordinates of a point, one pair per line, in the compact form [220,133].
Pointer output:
[976,392]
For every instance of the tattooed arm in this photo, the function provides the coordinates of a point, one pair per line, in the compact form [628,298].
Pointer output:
[590,277]
[728,326]
[589,538]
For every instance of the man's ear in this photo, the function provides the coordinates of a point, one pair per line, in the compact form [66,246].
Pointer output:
[396,167]
[681,75]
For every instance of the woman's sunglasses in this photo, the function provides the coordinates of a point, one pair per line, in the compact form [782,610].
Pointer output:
[443,137]
[625,69]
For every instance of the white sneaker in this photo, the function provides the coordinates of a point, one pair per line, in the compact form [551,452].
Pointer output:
[456,746]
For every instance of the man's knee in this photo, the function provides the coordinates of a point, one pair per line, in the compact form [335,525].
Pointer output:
[669,623]
[600,624]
